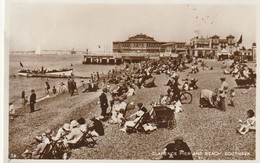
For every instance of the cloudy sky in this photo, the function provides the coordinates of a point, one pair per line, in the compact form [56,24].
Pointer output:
[57,25]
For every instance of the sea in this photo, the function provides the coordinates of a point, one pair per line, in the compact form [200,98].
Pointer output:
[31,61]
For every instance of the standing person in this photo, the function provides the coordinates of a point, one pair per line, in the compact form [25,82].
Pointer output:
[69,85]
[92,78]
[32,100]
[176,88]
[231,97]
[23,98]
[221,100]
[73,87]
[54,91]
[97,76]
[223,91]
[103,102]
[47,86]
[224,85]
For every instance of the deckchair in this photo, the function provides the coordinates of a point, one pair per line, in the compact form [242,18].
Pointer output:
[138,127]
[84,141]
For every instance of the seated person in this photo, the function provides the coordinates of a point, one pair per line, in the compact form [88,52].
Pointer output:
[86,87]
[62,88]
[115,112]
[11,110]
[207,98]
[225,71]
[74,136]
[131,91]
[246,73]
[138,115]
[118,91]
[185,86]
[96,127]
[141,107]
[179,150]
[83,125]
[193,84]
[36,145]
[43,141]
[166,99]
[119,117]
[47,136]
[38,151]
[149,83]
[250,123]
[170,82]
[62,132]
[177,106]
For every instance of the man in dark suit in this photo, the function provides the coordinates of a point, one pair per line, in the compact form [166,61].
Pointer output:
[32,100]
[103,102]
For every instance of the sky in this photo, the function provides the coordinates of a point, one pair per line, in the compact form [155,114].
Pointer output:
[56,25]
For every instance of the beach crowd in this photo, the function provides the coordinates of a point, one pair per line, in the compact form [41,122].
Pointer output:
[121,83]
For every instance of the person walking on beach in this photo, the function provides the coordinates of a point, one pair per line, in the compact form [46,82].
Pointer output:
[23,98]
[32,100]
[103,102]
[47,86]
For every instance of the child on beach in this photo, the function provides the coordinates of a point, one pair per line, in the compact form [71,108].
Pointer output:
[54,91]
[231,97]
[11,110]
[25,100]
[250,123]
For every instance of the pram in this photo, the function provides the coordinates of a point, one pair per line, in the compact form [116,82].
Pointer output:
[164,116]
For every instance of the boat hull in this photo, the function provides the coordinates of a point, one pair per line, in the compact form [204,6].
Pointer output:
[61,74]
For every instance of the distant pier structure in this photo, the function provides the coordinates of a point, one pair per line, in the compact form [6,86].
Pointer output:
[135,49]
[117,58]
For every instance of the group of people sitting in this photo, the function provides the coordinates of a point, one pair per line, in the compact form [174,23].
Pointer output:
[70,135]
[239,71]
[126,88]
[90,86]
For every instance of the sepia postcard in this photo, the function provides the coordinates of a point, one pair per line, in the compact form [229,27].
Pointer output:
[89,80]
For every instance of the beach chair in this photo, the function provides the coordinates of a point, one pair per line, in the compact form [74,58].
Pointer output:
[138,127]
[47,152]
[85,140]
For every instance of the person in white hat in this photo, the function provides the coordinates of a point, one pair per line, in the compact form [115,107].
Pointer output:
[75,134]
[62,132]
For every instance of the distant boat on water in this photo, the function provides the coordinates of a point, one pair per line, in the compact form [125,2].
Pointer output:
[38,50]
[54,73]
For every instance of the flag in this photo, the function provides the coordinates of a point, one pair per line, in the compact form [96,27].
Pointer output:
[240,40]
[21,64]
[99,46]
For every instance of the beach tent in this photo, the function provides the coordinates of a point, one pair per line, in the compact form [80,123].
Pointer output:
[224,52]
